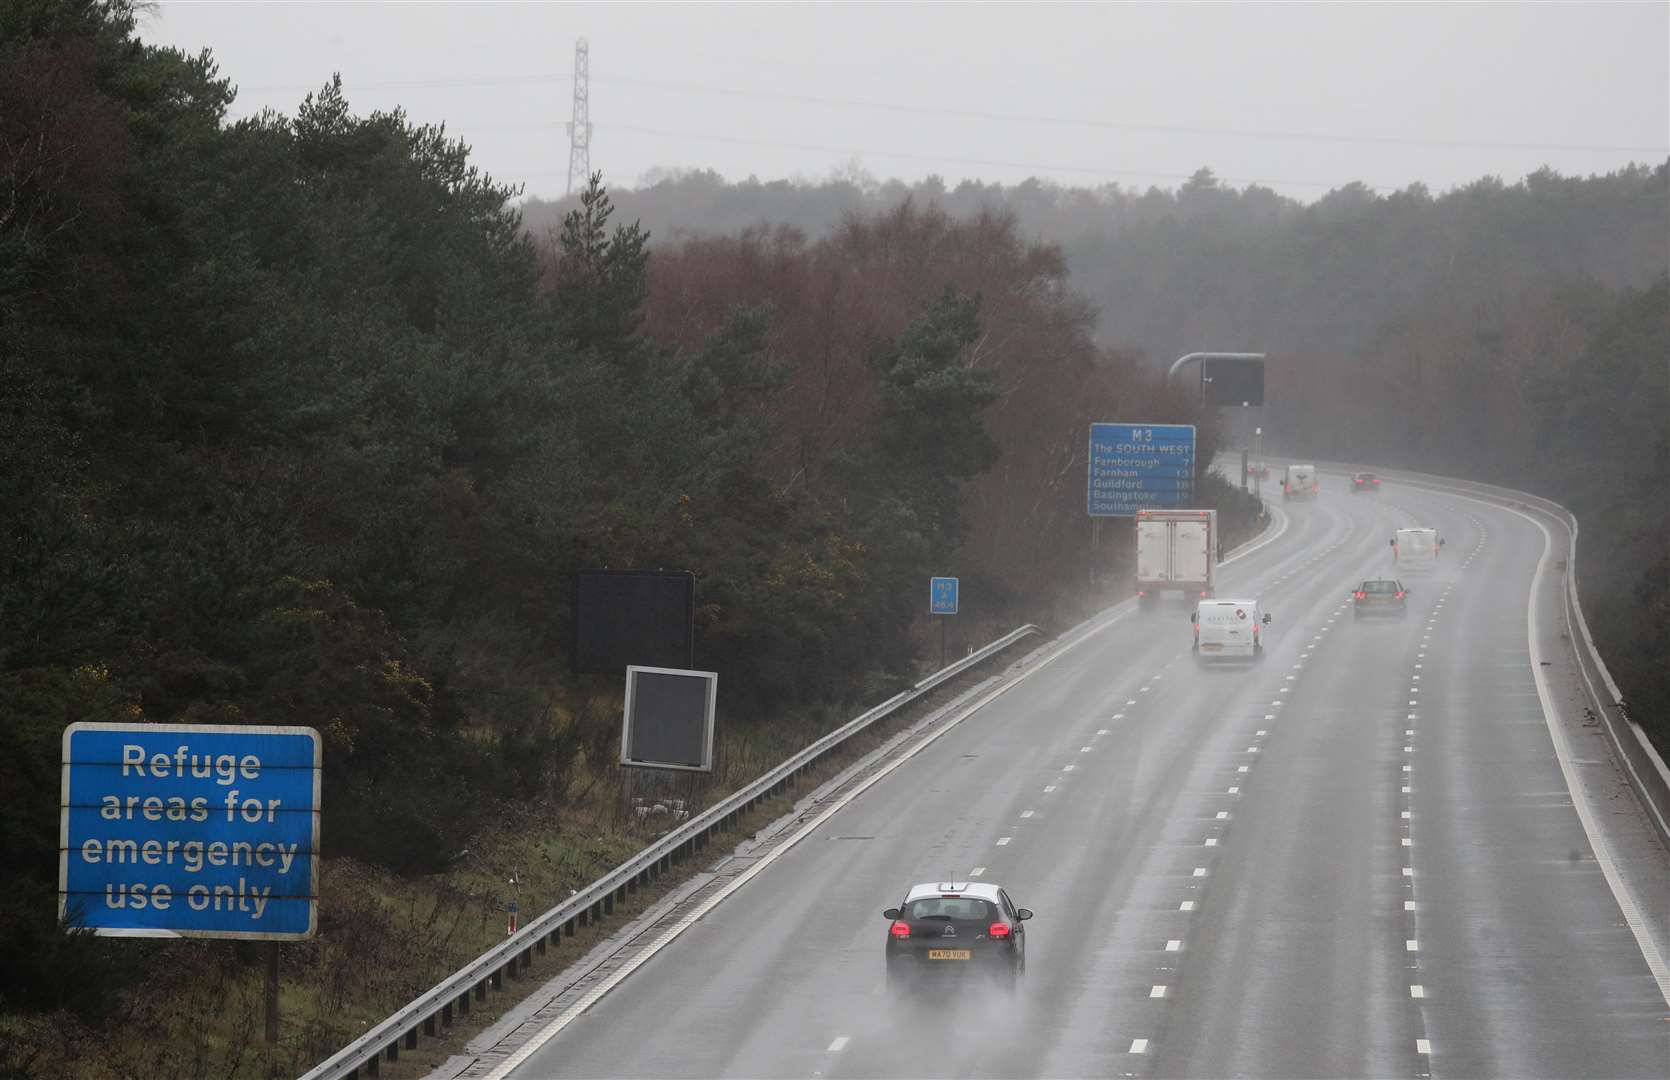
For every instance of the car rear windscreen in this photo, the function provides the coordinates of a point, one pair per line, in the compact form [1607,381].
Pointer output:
[960,908]
[1380,587]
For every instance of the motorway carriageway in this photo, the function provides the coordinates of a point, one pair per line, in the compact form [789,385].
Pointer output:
[1358,858]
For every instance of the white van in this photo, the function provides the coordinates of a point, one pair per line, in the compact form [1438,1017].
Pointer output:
[1229,629]
[1416,549]
[1299,482]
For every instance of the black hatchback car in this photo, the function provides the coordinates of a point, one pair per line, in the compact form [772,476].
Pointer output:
[1364,481]
[954,929]
[1380,596]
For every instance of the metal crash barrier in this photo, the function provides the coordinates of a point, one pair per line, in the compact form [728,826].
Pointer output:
[453,996]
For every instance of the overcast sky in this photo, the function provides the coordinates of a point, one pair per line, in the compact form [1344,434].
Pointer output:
[1298,97]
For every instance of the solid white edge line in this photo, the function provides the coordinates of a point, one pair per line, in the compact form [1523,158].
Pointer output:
[537,1042]
[1574,787]
[1562,753]
[520,1056]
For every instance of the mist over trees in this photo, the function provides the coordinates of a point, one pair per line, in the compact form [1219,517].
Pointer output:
[1516,333]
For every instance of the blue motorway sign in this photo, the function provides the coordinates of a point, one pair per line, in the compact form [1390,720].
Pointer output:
[1141,467]
[942,596]
[190,830]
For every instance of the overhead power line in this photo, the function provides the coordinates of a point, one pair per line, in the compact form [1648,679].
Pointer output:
[1035,168]
[1119,125]
[1273,135]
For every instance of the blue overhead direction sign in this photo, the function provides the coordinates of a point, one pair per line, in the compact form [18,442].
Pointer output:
[190,830]
[942,596]
[1140,467]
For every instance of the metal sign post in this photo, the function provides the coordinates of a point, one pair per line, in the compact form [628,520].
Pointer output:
[192,830]
[942,601]
[272,993]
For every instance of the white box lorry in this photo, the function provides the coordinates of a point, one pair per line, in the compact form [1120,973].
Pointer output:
[1176,549]
[1299,482]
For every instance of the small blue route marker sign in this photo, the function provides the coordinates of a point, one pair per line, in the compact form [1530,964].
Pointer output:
[942,596]
[190,830]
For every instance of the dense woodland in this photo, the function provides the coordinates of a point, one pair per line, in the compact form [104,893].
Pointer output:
[1515,333]
[301,425]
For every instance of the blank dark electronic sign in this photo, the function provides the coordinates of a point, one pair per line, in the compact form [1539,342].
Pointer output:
[1231,382]
[669,718]
[625,617]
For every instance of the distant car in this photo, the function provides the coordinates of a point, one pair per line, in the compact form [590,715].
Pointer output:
[1364,481]
[1229,629]
[1258,469]
[957,930]
[1380,596]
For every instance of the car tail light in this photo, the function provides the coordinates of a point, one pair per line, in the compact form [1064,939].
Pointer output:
[1287,487]
[1316,487]
[1203,594]
[999,930]
[1377,482]
[1142,592]
[1364,596]
[1400,596]
[900,930]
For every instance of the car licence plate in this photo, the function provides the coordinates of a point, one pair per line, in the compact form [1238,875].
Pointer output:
[1212,648]
[948,954]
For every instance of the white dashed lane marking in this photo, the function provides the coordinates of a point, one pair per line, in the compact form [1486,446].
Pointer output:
[1002,841]
[839,1044]
[1174,945]
[1139,1046]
